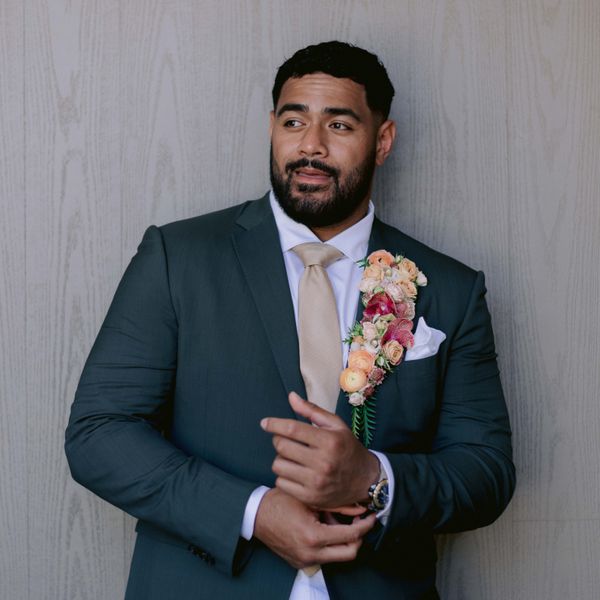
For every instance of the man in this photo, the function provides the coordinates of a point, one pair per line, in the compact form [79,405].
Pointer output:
[187,417]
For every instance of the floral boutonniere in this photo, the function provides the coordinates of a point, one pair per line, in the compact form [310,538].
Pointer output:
[377,343]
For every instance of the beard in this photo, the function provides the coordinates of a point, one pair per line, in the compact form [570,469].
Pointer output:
[345,197]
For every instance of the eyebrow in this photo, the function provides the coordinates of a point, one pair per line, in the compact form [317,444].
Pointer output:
[329,110]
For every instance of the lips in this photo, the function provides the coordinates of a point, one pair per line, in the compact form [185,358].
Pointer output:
[312,175]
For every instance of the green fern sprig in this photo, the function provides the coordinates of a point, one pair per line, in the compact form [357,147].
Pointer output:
[363,421]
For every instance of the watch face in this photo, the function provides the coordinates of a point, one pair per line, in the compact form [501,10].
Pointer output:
[383,496]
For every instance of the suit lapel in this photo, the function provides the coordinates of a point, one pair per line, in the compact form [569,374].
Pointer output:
[258,250]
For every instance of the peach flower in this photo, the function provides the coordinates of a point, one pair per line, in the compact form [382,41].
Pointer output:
[393,351]
[421,279]
[381,258]
[373,272]
[410,267]
[409,288]
[352,380]
[368,284]
[362,360]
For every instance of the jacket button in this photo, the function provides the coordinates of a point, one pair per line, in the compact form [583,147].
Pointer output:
[202,554]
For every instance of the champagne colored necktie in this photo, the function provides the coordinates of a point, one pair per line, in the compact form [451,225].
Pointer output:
[318,331]
[318,326]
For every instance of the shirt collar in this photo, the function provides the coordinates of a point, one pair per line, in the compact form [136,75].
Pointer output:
[353,242]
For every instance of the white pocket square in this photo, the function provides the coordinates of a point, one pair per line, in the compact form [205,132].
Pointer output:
[427,341]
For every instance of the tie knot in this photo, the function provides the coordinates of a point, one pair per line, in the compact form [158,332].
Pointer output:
[317,253]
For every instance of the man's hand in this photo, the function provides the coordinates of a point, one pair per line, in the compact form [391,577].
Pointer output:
[294,532]
[323,466]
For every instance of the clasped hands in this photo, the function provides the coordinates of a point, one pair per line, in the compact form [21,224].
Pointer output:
[320,471]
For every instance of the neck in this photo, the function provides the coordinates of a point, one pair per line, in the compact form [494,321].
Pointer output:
[326,233]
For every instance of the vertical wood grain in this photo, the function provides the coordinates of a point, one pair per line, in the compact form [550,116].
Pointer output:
[13,402]
[115,115]
[553,125]
[73,258]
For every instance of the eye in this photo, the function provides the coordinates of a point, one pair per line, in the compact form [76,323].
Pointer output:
[340,126]
[292,123]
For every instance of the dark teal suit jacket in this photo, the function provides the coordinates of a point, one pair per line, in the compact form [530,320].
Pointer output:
[200,343]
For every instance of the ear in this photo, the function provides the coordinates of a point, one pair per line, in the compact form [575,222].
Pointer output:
[385,140]
[271,122]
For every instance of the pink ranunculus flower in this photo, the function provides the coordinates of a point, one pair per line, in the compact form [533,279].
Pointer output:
[403,310]
[400,331]
[369,330]
[379,304]
[394,291]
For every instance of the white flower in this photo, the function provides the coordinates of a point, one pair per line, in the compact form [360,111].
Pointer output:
[369,331]
[372,347]
[356,399]
[394,292]
[421,279]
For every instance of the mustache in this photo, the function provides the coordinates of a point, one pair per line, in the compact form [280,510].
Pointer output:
[312,164]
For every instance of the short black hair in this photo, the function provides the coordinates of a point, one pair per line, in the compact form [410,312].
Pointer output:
[343,60]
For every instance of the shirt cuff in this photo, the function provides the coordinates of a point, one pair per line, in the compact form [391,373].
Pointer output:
[251,509]
[386,473]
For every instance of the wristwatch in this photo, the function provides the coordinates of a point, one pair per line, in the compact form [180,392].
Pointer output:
[379,495]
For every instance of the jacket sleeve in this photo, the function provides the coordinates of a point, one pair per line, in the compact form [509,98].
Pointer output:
[468,478]
[115,440]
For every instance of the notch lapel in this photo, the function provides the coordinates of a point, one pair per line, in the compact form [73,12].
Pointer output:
[258,250]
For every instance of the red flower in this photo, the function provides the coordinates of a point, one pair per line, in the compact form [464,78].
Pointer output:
[403,309]
[400,331]
[380,304]
[376,375]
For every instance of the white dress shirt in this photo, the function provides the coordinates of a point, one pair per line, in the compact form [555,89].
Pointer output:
[345,276]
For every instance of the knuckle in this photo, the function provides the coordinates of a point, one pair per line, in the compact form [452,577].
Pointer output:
[311,539]
[290,429]
[328,469]
[335,444]
[319,480]
[304,558]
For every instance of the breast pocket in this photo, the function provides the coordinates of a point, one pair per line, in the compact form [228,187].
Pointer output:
[406,404]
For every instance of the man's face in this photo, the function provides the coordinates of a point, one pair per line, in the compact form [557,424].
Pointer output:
[324,148]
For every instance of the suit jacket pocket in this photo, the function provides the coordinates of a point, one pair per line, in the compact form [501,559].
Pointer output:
[406,406]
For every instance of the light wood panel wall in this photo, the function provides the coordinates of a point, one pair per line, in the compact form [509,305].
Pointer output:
[117,114]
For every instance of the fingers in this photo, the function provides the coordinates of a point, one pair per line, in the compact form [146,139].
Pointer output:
[352,510]
[294,451]
[291,429]
[314,413]
[292,471]
[335,535]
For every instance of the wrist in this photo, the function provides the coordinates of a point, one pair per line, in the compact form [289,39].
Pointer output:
[372,476]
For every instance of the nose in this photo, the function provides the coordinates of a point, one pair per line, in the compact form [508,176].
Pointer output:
[313,142]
